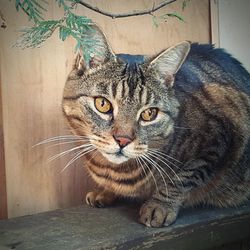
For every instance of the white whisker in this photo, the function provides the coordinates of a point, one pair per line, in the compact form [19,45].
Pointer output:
[161,159]
[68,142]
[67,151]
[92,156]
[60,138]
[140,165]
[153,163]
[161,168]
[151,172]
[78,155]
[164,154]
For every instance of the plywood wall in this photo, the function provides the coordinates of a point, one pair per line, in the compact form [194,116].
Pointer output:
[32,82]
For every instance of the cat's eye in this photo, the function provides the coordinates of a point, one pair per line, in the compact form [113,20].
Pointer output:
[149,114]
[103,105]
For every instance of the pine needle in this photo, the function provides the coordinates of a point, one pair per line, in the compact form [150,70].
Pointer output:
[32,8]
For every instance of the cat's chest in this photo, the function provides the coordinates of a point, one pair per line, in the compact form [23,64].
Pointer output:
[126,180]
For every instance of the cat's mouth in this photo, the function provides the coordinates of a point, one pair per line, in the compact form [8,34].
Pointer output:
[117,157]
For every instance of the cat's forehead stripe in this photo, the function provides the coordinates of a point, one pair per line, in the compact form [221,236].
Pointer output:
[125,88]
[136,83]
[128,86]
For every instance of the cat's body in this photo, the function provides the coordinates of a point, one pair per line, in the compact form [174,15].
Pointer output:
[172,131]
[216,97]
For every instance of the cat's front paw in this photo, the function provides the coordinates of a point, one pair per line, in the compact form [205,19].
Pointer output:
[155,214]
[99,199]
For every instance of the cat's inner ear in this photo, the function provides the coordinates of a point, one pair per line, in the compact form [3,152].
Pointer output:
[168,63]
[101,51]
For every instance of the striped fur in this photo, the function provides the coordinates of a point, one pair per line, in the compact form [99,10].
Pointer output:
[195,151]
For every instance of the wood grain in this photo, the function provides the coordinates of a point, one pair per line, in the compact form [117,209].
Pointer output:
[195,229]
[32,82]
[3,193]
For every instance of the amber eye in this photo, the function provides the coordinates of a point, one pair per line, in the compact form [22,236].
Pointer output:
[103,105]
[149,114]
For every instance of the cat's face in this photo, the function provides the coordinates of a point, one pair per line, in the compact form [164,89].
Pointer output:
[125,110]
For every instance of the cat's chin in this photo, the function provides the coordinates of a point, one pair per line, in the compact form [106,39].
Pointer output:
[116,159]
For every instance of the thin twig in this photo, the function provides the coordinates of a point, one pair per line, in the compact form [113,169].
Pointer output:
[128,14]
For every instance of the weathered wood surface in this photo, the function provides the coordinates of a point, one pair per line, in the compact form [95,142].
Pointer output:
[117,228]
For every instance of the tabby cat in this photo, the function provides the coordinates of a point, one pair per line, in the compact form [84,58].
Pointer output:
[171,130]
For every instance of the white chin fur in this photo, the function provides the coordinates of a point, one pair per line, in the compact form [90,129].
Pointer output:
[114,158]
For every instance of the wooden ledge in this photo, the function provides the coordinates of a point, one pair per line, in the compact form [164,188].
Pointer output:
[117,228]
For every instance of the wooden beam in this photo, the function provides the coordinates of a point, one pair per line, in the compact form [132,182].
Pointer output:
[3,193]
[118,228]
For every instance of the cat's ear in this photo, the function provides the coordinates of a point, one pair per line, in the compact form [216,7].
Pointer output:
[167,64]
[101,51]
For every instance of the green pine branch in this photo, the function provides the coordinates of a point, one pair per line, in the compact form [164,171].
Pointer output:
[70,25]
[32,8]
[66,4]
[34,37]
[80,28]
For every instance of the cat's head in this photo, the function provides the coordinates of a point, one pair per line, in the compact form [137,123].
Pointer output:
[125,109]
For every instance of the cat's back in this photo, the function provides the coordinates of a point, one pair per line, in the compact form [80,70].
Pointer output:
[213,90]
[206,64]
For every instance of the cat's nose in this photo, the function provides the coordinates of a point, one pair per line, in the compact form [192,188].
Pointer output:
[122,140]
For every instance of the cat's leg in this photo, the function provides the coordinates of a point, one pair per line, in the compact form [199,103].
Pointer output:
[100,199]
[163,207]
[159,211]
[156,213]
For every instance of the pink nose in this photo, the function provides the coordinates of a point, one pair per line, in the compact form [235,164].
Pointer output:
[123,140]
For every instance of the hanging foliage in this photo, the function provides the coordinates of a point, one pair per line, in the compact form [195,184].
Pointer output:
[80,28]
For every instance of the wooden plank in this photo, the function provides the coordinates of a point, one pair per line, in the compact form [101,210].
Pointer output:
[32,84]
[117,228]
[239,245]
[3,194]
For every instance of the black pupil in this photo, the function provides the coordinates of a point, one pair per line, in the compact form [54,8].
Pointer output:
[103,102]
[151,113]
